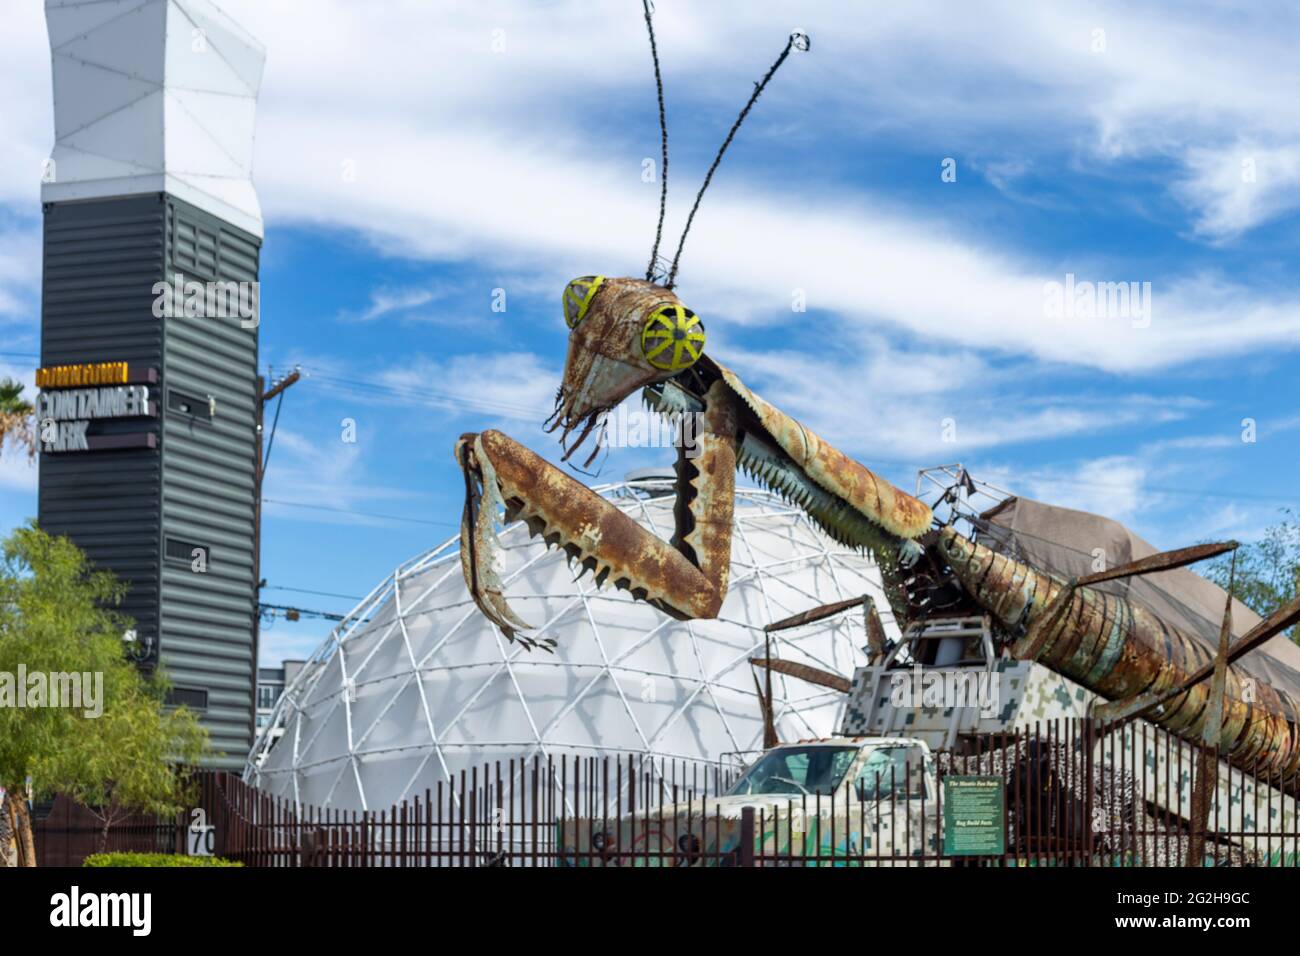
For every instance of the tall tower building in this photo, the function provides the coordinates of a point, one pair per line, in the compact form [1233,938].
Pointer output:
[148,391]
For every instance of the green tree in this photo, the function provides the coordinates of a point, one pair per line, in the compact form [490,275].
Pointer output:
[16,415]
[128,762]
[119,750]
[1268,570]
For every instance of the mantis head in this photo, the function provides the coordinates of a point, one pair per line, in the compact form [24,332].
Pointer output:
[624,334]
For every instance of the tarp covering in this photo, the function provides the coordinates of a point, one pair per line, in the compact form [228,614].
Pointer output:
[1065,542]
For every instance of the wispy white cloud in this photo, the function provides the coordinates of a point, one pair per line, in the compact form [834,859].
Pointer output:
[538,181]
[386,301]
[1237,522]
[883,402]
[1237,186]
[1113,485]
[27,120]
[339,469]
[414,398]
[17,472]
[511,386]
[536,206]
[1173,491]
[478,311]
[1102,82]
[525,158]
[20,272]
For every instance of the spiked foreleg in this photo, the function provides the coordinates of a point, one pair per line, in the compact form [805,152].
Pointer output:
[706,491]
[686,578]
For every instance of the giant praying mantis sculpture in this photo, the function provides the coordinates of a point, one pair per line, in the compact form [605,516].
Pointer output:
[628,334]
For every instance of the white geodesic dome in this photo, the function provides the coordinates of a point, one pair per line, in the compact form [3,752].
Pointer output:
[416,685]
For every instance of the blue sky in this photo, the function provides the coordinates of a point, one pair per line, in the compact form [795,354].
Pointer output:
[500,146]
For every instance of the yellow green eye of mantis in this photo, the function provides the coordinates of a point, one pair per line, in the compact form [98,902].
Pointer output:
[577,298]
[673,338]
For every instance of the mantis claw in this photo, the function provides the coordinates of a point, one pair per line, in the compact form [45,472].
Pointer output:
[480,549]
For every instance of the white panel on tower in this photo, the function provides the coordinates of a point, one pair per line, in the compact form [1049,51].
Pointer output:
[154,96]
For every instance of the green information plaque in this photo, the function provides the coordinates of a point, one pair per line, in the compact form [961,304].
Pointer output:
[974,816]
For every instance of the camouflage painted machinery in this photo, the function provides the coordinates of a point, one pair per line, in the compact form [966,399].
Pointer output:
[951,682]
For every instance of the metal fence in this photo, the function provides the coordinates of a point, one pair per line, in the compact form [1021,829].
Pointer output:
[503,813]
[65,833]
[1068,793]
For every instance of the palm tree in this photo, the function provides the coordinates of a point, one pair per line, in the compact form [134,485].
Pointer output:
[16,417]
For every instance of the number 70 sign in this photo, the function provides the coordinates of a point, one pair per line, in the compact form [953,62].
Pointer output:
[201,835]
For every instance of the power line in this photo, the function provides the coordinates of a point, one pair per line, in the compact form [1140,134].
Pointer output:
[285,587]
[366,514]
[294,613]
[1156,489]
[424,396]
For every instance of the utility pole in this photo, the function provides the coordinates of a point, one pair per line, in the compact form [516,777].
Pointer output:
[259,468]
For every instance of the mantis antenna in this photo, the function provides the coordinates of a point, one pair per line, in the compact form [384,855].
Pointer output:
[798,41]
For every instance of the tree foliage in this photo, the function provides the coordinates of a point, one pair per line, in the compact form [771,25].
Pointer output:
[1267,569]
[56,616]
[16,414]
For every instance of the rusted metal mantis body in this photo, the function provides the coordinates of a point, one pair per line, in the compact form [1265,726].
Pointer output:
[1112,646]
[1123,652]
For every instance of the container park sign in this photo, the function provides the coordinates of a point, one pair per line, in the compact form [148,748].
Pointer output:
[76,404]
[974,816]
[74,396]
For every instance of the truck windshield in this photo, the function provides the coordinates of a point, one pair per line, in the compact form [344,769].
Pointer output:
[796,770]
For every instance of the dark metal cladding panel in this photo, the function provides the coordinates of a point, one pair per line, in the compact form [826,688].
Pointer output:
[208,488]
[101,261]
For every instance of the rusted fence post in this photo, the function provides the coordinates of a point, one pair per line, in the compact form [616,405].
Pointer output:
[1089,733]
[746,857]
